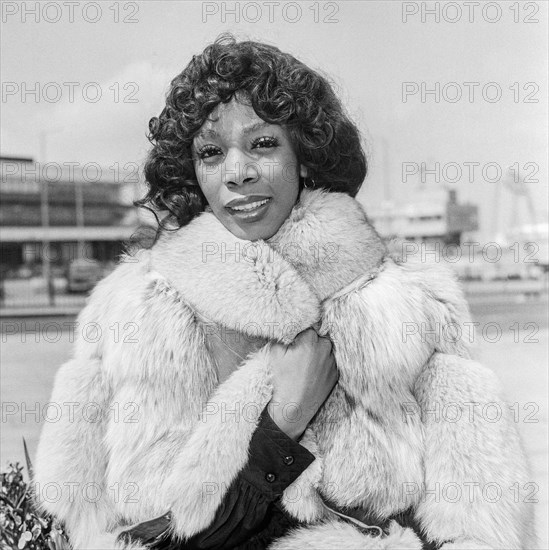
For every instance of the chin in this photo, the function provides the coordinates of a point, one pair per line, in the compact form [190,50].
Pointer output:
[260,233]
[252,232]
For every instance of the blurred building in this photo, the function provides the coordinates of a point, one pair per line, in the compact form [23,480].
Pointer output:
[437,219]
[64,212]
[431,217]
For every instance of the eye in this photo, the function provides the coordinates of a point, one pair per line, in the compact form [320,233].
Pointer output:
[265,142]
[208,151]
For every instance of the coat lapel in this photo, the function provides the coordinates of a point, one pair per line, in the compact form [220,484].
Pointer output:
[270,289]
[245,286]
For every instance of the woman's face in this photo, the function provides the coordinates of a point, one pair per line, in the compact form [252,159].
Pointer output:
[247,169]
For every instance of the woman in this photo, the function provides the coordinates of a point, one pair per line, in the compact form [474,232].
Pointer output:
[222,419]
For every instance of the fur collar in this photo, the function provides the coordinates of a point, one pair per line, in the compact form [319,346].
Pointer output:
[324,245]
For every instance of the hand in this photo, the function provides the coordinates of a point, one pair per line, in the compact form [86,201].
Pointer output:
[304,374]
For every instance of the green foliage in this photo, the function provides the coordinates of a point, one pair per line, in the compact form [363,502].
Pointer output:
[22,525]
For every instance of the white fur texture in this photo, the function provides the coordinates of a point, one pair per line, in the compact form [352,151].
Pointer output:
[464,544]
[170,436]
[334,534]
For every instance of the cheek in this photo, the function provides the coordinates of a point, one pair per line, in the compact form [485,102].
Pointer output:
[208,180]
[286,187]
[287,173]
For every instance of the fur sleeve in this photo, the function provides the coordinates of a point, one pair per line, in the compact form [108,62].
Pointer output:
[72,457]
[71,460]
[403,334]
[476,478]
[390,322]
[147,434]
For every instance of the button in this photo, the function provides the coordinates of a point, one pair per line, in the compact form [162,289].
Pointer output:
[288,460]
[270,477]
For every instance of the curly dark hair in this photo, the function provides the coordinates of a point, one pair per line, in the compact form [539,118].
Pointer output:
[281,90]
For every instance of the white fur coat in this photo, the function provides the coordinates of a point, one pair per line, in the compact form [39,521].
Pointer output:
[150,429]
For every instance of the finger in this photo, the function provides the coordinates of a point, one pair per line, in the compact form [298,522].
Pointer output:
[308,335]
[324,341]
[316,326]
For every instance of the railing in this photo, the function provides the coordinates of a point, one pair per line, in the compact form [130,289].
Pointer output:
[34,293]
[27,296]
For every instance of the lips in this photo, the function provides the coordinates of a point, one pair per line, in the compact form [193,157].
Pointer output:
[250,209]
[248,203]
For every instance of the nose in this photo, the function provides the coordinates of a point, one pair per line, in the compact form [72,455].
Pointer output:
[238,170]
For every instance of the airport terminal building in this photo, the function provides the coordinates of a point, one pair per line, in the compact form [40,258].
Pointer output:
[61,212]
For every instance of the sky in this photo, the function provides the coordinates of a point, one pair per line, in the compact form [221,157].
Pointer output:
[101,71]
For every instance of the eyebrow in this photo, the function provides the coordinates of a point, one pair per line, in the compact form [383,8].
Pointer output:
[255,126]
[210,132]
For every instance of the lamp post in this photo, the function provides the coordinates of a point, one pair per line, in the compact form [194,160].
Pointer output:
[45,216]
[79,206]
